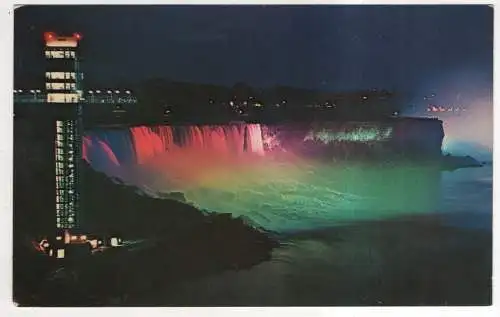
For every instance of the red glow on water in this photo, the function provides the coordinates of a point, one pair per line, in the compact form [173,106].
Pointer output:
[158,157]
[148,144]
[201,142]
[109,152]
[87,143]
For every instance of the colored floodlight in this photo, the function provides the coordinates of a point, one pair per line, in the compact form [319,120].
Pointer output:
[49,36]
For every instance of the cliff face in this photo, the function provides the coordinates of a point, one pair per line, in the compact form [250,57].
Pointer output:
[419,136]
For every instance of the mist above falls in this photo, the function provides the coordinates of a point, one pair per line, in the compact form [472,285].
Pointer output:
[467,132]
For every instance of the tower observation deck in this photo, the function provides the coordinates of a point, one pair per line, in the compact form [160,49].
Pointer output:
[64,99]
[63,85]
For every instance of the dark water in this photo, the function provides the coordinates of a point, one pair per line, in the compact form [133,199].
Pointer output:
[467,197]
[440,258]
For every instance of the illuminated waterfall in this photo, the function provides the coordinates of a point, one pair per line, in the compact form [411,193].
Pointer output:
[265,173]
[149,142]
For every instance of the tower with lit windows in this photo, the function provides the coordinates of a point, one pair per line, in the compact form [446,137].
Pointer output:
[63,86]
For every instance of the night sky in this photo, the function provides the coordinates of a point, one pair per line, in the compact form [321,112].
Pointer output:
[324,47]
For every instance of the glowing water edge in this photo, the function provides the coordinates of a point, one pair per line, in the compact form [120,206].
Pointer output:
[237,169]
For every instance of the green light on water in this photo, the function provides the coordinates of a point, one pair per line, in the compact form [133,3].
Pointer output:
[294,197]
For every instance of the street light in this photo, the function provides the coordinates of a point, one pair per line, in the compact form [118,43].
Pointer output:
[110,95]
[117,91]
[127,92]
[91,95]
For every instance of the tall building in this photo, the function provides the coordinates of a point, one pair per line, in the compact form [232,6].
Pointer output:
[63,86]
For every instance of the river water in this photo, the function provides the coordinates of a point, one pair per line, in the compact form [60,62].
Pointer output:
[352,233]
[439,258]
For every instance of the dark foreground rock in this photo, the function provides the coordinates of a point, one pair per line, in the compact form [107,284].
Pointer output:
[180,243]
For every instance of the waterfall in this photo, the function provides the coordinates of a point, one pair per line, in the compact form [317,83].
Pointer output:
[145,143]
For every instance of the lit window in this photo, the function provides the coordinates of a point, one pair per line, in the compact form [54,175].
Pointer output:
[57,54]
[55,86]
[62,98]
[54,75]
[60,253]
[69,75]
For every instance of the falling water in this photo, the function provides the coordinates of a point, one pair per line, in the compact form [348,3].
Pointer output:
[259,172]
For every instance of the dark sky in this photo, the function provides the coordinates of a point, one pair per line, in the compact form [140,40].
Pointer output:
[327,47]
